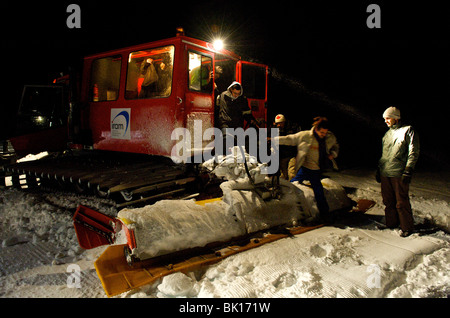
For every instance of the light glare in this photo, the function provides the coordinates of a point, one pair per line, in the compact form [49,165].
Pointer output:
[218,44]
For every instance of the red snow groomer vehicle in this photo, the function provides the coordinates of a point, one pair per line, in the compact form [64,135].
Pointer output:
[116,140]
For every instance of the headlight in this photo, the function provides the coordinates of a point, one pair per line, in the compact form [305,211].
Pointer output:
[218,44]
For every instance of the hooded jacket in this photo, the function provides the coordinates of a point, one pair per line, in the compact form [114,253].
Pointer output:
[400,151]
[303,140]
[233,111]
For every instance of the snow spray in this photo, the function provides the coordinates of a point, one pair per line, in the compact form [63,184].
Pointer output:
[322,97]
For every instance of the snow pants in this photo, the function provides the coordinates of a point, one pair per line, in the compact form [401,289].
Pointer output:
[287,168]
[314,177]
[398,211]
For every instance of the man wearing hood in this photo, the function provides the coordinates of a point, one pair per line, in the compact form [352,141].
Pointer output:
[400,153]
[233,109]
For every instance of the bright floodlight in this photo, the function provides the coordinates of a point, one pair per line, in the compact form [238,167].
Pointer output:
[218,44]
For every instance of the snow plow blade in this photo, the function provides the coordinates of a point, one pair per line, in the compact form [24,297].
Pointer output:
[93,228]
[117,276]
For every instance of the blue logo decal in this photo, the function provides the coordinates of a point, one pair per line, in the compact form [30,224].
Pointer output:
[125,114]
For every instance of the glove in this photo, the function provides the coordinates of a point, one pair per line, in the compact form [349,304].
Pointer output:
[407,175]
[378,175]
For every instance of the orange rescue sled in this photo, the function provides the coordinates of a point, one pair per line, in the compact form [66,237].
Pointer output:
[119,275]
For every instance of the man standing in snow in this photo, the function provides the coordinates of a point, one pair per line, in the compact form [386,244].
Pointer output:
[314,148]
[400,153]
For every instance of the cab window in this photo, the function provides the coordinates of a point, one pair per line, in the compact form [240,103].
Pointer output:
[200,72]
[149,73]
[105,79]
[225,72]
[254,81]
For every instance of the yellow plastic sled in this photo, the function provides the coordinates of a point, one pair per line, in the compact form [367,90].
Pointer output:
[118,277]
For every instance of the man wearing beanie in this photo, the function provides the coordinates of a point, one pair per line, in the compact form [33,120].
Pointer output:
[399,156]
[287,153]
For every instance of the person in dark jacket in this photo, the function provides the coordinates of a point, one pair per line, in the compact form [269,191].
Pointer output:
[287,153]
[400,153]
[233,110]
[233,107]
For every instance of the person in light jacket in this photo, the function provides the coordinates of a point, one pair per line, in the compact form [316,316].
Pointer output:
[314,148]
[400,153]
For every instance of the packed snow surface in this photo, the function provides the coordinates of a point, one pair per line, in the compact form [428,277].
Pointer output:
[40,257]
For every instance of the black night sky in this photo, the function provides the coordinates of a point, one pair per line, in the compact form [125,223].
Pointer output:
[323,58]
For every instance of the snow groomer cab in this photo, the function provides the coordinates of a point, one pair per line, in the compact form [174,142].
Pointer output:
[132,99]
[125,116]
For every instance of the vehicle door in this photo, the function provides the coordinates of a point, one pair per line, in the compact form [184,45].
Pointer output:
[253,78]
[199,105]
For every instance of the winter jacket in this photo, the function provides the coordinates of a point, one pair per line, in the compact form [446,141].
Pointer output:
[303,141]
[233,111]
[148,70]
[400,151]
[288,151]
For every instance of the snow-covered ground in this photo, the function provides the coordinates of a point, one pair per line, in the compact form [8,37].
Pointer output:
[40,257]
